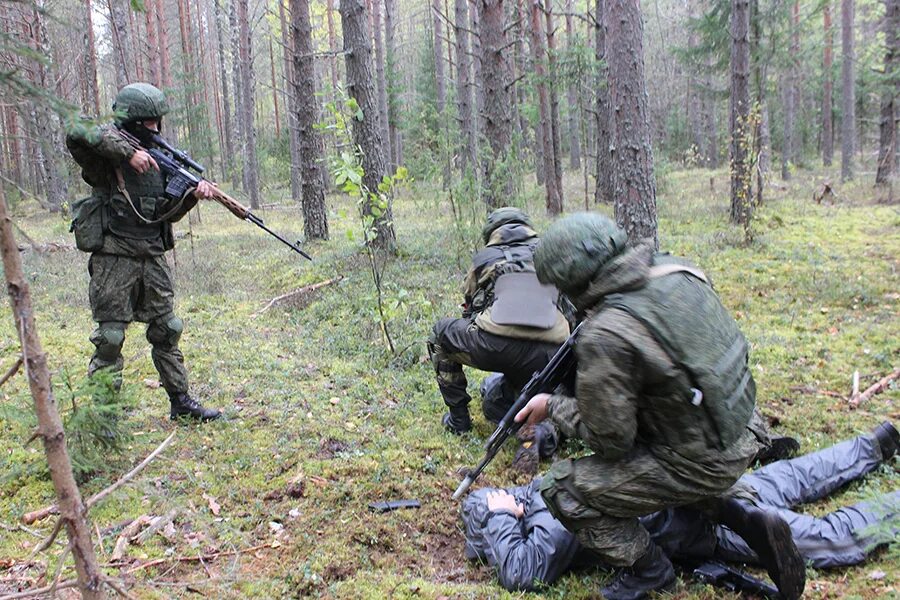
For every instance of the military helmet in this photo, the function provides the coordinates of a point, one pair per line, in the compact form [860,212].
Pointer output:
[503,216]
[575,247]
[139,101]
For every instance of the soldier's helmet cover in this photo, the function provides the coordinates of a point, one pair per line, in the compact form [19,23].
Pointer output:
[503,216]
[139,101]
[575,247]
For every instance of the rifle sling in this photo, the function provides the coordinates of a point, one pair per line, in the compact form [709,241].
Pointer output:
[120,185]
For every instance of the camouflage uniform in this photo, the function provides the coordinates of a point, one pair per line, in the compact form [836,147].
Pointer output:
[652,448]
[479,339]
[130,277]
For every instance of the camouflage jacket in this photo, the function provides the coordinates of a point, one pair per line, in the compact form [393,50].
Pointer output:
[628,390]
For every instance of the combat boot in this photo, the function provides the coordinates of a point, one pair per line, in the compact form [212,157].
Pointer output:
[779,448]
[185,406]
[457,421]
[769,536]
[536,442]
[888,438]
[652,572]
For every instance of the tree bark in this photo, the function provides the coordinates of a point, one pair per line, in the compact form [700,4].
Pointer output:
[228,150]
[478,85]
[553,90]
[740,112]
[496,72]
[890,111]
[464,87]
[572,96]
[604,193]
[248,103]
[293,104]
[91,100]
[390,58]
[791,94]
[332,47]
[123,53]
[632,155]
[367,133]
[71,508]
[848,83]
[315,216]
[553,201]
[438,55]
[828,93]
[380,79]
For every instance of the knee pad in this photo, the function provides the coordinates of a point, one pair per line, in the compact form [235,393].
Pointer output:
[165,330]
[109,338]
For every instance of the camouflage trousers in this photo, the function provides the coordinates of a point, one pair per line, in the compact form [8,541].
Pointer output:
[125,289]
[457,342]
[601,500]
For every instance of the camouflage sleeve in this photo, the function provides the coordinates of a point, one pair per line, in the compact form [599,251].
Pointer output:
[564,413]
[101,141]
[607,383]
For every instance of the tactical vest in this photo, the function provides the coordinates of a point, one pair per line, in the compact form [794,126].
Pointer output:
[128,215]
[686,318]
[494,261]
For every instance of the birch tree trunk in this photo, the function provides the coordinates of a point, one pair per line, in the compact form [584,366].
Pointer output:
[890,94]
[72,511]
[632,155]
[315,217]
[740,112]
[496,73]
[848,83]
[367,133]
[828,93]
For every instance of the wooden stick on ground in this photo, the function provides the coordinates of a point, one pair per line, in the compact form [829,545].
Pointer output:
[298,292]
[879,387]
[12,371]
[45,512]
[199,557]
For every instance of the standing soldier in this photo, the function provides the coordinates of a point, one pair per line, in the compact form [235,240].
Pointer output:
[126,225]
[663,397]
[510,324]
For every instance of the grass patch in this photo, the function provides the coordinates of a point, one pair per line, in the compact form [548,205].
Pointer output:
[321,420]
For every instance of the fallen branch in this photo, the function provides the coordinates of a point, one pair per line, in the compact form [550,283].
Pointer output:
[43,513]
[70,583]
[879,387]
[199,557]
[805,389]
[127,533]
[12,371]
[299,292]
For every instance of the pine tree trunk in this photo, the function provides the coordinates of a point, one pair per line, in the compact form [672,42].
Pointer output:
[848,83]
[150,7]
[740,112]
[248,103]
[791,94]
[165,71]
[315,217]
[290,93]
[464,87]
[123,54]
[367,133]
[438,55]
[274,85]
[478,91]
[91,100]
[496,72]
[604,193]
[632,154]
[71,508]
[228,150]
[238,180]
[332,47]
[890,94]
[572,97]
[553,90]
[553,196]
[828,93]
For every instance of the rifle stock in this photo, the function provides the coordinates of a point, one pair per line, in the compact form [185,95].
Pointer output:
[545,381]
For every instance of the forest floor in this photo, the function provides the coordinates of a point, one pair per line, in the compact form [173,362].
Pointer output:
[320,419]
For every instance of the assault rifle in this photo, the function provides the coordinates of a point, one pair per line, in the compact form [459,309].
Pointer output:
[723,576]
[557,371]
[180,181]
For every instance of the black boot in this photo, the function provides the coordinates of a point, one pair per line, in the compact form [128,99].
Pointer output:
[652,572]
[185,406]
[779,448]
[888,438]
[457,421]
[769,536]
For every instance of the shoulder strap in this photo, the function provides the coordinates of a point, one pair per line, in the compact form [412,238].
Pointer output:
[120,184]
